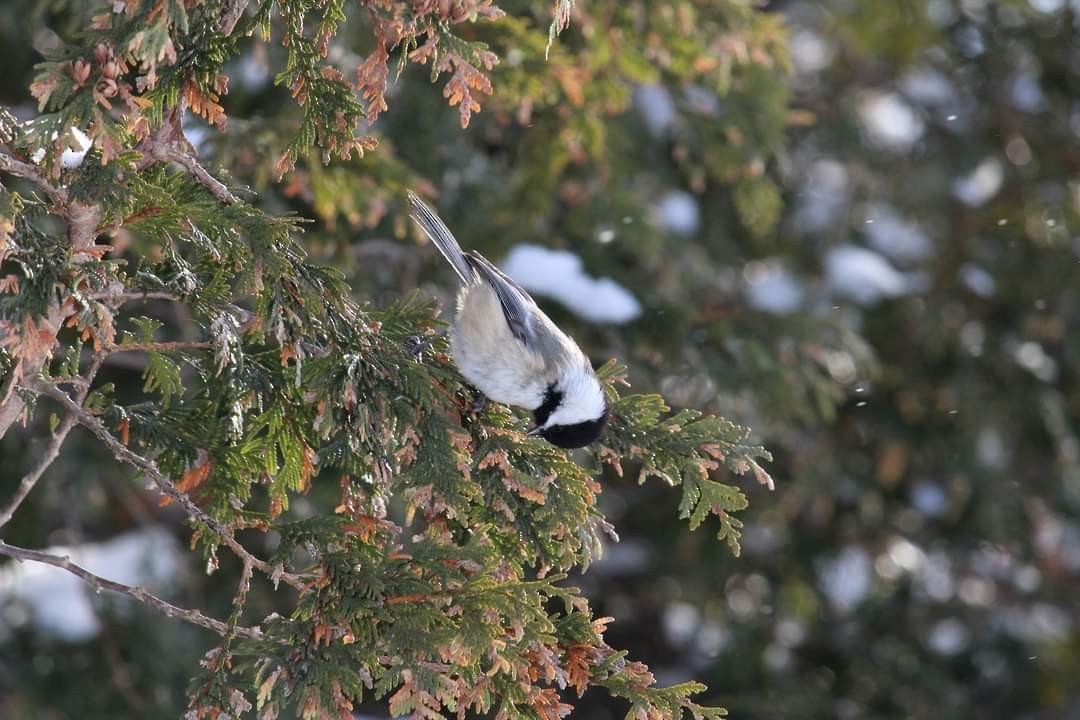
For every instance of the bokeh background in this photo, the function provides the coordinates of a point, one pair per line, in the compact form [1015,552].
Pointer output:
[862,244]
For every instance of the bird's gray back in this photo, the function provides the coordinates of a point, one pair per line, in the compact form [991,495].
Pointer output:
[491,357]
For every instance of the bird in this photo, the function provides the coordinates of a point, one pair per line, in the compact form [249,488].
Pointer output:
[511,351]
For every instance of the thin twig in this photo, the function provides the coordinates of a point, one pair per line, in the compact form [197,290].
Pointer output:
[231,12]
[168,143]
[132,296]
[215,186]
[29,172]
[99,583]
[83,220]
[159,346]
[164,485]
[238,603]
[53,450]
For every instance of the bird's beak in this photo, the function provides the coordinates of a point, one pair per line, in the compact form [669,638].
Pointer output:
[535,432]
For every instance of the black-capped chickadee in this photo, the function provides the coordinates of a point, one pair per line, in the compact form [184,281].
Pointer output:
[505,345]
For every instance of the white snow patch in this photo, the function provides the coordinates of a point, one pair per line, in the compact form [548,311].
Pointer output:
[656,107]
[254,73]
[948,637]
[990,449]
[57,600]
[929,498]
[1040,623]
[73,157]
[681,622]
[1032,357]
[1026,93]
[906,555]
[197,135]
[809,52]
[558,274]
[772,288]
[712,639]
[935,577]
[866,277]
[1047,6]
[982,184]
[941,12]
[889,121]
[826,195]
[928,86]
[977,280]
[677,212]
[845,579]
[894,236]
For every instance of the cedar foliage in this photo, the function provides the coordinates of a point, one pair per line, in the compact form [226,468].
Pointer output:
[462,606]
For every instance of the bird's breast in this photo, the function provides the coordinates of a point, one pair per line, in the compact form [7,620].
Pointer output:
[490,357]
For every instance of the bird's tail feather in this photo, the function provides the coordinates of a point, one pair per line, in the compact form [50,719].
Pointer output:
[443,239]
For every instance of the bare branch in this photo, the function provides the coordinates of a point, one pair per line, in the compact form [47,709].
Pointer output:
[159,346]
[124,296]
[83,223]
[164,485]
[30,172]
[239,599]
[215,186]
[168,143]
[99,583]
[231,12]
[53,450]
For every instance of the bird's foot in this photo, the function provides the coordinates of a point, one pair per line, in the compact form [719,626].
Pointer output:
[417,346]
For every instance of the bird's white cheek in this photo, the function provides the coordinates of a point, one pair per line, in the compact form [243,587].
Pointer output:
[573,414]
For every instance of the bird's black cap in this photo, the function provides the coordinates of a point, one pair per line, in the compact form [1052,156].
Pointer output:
[576,435]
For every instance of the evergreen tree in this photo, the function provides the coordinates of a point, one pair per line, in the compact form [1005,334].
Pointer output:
[428,566]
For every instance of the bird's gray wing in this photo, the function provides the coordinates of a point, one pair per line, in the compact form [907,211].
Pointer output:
[518,308]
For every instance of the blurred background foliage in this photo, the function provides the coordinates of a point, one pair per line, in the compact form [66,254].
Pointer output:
[855,235]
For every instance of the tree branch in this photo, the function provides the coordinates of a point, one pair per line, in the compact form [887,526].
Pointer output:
[159,346]
[231,12]
[168,144]
[164,485]
[141,594]
[238,601]
[215,186]
[18,168]
[124,296]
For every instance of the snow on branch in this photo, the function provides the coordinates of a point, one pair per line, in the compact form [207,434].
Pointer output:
[99,583]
